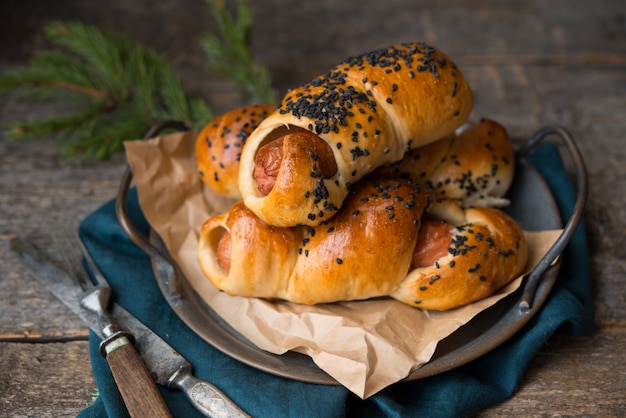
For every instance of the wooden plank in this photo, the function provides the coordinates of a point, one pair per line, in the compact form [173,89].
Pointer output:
[45,380]
[45,200]
[570,376]
[573,376]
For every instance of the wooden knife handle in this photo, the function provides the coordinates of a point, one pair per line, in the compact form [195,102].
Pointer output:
[138,389]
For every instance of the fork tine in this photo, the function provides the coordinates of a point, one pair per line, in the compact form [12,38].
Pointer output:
[93,267]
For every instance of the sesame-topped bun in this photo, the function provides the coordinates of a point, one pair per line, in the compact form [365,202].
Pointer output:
[219,145]
[300,163]
[390,238]
[362,252]
[475,167]
[462,256]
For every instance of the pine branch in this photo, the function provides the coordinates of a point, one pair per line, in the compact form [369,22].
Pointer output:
[63,125]
[121,88]
[229,53]
[105,53]
[114,79]
[52,69]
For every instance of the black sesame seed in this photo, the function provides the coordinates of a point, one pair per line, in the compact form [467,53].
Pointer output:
[473,269]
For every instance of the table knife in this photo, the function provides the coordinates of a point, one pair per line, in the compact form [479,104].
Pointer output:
[165,365]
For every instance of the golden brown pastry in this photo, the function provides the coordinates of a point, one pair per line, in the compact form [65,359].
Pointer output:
[476,166]
[389,239]
[219,145]
[485,250]
[364,113]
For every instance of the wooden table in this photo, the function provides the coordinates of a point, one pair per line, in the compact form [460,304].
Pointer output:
[530,63]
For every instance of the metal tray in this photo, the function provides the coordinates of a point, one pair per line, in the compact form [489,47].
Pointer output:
[533,207]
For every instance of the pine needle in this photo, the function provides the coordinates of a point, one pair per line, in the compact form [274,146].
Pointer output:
[119,88]
[113,79]
[229,53]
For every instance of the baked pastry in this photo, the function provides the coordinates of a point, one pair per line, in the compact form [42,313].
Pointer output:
[390,238]
[476,166]
[463,255]
[298,166]
[219,145]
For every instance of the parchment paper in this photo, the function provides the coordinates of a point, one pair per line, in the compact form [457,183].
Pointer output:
[365,345]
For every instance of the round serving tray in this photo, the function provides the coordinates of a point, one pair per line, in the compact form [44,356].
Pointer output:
[532,206]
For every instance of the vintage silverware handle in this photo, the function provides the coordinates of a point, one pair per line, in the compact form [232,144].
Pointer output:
[205,397]
[140,394]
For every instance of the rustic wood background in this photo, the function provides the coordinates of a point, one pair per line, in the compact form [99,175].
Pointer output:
[531,63]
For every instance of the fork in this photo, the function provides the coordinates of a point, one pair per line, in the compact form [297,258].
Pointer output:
[133,380]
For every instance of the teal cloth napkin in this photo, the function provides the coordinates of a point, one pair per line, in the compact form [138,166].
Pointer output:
[460,392]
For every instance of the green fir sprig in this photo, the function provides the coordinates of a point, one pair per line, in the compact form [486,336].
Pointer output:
[116,89]
[229,52]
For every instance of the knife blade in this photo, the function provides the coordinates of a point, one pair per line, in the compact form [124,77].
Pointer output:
[139,391]
[166,366]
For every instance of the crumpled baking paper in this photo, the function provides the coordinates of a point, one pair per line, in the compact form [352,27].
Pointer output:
[365,345]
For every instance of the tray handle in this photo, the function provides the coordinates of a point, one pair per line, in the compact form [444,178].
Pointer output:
[576,216]
[126,223]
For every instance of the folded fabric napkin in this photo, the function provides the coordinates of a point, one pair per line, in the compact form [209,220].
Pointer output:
[463,391]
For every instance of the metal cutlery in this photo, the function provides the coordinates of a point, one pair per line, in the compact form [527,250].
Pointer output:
[136,355]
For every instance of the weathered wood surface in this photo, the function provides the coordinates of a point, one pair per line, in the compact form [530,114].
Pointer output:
[530,63]
[570,376]
[45,380]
